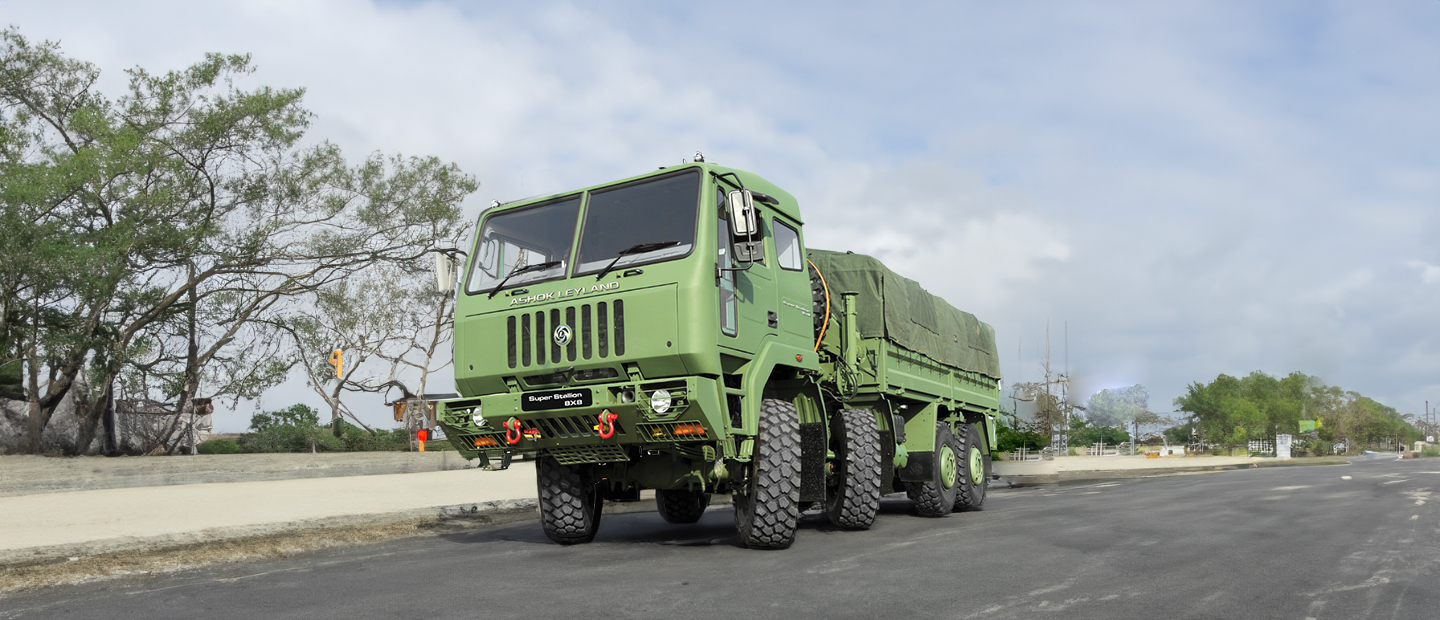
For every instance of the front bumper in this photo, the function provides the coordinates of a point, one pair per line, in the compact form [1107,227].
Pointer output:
[691,426]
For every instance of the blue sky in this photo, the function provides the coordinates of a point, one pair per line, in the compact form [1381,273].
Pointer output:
[1193,187]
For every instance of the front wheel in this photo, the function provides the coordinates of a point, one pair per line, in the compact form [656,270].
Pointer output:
[570,505]
[767,507]
[936,497]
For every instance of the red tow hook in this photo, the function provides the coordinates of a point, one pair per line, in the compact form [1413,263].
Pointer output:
[607,424]
[512,431]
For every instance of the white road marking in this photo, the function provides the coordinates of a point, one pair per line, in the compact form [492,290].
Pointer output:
[1344,477]
[1303,486]
[1396,481]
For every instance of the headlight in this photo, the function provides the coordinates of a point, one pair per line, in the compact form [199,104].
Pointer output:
[660,401]
[475,417]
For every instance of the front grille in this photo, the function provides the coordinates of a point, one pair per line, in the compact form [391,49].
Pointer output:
[576,455]
[597,331]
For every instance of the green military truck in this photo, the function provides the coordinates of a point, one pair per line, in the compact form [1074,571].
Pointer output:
[671,331]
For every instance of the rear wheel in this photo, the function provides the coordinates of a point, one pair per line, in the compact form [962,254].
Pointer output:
[570,505]
[854,491]
[936,498]
[680,505]
[767,507]
[974,478]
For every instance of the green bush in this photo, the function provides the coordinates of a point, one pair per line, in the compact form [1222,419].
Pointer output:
[356,439]
[1095,434]
[1008,439]
[1430,451]
[298,429]
[219,446]
[292,439]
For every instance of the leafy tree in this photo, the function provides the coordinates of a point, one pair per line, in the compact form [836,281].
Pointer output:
[155,232]
[1232,410]
[298,416]
[1118,407]
[1085,433]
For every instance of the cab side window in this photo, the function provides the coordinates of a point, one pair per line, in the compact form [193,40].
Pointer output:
[787,247]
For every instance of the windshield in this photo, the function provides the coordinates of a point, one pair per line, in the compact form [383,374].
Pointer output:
[514,240]
[655,212]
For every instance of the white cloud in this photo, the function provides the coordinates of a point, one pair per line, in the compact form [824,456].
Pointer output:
[1429,274]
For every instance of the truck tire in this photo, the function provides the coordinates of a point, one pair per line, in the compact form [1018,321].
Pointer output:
[569,507]
[974,470]
[680,505]
[854,496]
[767,509]
[936,498]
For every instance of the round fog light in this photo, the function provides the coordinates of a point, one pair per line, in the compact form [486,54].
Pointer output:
[660,401]
[476,418]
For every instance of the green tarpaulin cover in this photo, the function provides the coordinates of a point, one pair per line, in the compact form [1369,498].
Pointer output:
[895,307]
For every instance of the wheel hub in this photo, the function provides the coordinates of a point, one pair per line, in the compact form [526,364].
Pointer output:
[948,466]
[977,466]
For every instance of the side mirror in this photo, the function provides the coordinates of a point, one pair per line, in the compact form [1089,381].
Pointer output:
[744,225]
[742,213]
[444,273]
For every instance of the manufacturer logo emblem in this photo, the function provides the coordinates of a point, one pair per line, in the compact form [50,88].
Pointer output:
[563,335]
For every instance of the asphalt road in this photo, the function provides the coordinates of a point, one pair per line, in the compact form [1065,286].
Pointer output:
[1289,542]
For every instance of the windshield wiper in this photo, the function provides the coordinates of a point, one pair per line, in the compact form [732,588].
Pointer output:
[527,268]
[635,249]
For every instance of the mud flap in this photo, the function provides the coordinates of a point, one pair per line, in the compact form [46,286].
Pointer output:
[812,462]
[920,467]
[887,462]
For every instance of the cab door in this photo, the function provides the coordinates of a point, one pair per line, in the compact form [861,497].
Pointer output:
[792,283]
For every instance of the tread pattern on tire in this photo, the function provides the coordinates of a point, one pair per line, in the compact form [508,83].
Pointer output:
[856,499]
[681,506]
[931,498]
[967,495]
[768,513]
[569,508]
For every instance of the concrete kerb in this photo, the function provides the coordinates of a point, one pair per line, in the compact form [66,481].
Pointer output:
[1092,475]
[31,568]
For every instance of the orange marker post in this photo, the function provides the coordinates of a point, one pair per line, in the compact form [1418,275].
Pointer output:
[421,435]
